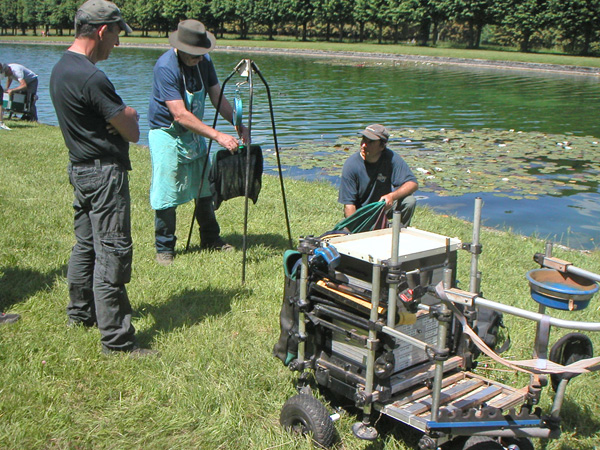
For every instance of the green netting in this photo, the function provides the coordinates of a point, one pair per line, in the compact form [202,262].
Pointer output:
[367,218]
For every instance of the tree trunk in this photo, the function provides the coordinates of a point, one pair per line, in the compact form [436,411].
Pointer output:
[424,32]
[471,37]
[587,40]
[478,35]
[435,33]
[524,45]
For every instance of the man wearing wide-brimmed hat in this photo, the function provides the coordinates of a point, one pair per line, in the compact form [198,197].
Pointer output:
[183,77]
[376,173]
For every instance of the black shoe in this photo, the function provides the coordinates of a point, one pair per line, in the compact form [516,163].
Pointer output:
[76,323]
[133,352]
[9,318]
[219,246]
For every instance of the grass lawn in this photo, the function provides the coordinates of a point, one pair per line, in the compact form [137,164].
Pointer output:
[395,49]
[216,384]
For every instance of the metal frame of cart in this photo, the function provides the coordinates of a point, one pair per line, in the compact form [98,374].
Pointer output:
[361,334]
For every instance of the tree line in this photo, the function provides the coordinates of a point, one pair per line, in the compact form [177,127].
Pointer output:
[573,26]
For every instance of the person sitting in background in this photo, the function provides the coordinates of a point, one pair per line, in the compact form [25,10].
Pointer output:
[28,85]
[376,173]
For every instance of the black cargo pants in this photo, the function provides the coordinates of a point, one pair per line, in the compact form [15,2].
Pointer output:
[100,263]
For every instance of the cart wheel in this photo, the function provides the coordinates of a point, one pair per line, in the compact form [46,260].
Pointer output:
[518,444]
[482,443]
[304,414]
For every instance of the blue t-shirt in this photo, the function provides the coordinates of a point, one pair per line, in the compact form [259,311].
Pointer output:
[364,182]
[170,81]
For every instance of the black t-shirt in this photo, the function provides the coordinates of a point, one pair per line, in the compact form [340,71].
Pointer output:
[85,100]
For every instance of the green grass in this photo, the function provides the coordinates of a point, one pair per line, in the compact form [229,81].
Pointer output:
[395,49]
[216,385]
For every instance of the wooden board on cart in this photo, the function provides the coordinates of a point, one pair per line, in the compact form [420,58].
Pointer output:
[461,392]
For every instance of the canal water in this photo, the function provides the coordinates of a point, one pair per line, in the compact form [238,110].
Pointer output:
[318,101]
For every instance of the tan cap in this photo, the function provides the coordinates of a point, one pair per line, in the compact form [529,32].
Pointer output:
[376,132]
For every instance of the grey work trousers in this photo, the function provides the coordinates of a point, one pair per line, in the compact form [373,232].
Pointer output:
[406,206]
[100,263]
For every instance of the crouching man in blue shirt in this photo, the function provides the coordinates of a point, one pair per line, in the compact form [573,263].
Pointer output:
[376,173]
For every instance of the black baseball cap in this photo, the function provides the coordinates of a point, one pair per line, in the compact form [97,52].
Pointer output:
[97,12]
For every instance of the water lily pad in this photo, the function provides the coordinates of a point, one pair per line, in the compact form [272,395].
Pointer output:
[455,162]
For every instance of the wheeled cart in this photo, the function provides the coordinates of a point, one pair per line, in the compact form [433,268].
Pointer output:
[376,318]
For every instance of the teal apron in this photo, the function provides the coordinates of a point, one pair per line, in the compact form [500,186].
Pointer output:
[178,158]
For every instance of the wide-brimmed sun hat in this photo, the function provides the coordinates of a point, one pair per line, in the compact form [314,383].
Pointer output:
[191,37]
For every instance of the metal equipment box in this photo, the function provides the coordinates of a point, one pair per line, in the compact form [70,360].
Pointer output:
[423,255]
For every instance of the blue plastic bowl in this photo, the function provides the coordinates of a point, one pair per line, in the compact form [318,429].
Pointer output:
[558,290]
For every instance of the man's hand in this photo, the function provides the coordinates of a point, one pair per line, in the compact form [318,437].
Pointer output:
[126,124]
[111,129]
[388,199]
[227,141]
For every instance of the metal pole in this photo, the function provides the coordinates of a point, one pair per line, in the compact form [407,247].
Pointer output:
[370,375]
[393,291]
[441,345]
[247,186]
[475,281]
[285,208]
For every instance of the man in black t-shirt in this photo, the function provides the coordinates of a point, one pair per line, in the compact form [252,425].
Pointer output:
[97,128]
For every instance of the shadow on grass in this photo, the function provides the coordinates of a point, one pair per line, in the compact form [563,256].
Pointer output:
[574,416]
[188,308]
[17,284]
[16,123]
[272,240]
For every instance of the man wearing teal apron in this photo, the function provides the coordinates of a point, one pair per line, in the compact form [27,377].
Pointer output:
[183,77]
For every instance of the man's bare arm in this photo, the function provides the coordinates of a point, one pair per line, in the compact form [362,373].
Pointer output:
[126,124]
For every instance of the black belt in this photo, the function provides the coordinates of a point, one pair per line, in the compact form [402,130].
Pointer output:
[96,162]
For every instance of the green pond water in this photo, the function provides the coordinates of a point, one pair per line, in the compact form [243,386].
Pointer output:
[526,142]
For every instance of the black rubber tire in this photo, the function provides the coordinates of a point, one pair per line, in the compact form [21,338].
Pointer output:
[523,443]
[482,443]
[304,414]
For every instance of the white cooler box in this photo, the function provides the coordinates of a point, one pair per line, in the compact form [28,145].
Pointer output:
[17,104]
